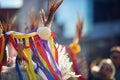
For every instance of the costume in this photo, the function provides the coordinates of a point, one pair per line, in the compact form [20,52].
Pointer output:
[38,56]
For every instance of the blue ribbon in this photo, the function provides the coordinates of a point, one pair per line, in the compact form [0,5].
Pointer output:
[23,41]
[18,70]
[39,63]
[47,48]
[15,40]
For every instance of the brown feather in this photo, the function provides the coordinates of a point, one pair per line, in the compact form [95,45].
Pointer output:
[51,12]
[78,33]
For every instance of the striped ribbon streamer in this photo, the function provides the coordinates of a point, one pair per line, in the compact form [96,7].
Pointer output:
[29,65]
[26,53]
[15,42]
[26,36]
[38,61]
[52,48]
[42,52]
[51,57]
[17,65]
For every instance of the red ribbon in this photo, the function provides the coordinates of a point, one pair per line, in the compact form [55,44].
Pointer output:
[75,66]
[53,34]
[1,52]
[42,52]
[16,46]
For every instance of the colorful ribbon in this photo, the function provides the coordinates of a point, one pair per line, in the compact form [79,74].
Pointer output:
[37,60]
[42,52]
[29,66]
[52,47]
[51,57]
[41,57]
[26,52]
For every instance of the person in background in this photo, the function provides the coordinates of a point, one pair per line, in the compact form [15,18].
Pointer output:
[115,57]
[106,71]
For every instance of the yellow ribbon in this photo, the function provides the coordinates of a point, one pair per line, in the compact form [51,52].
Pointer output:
[51,40]
[29,65]
[26,52]
[24,35]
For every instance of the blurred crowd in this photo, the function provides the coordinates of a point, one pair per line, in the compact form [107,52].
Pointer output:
[108,68]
